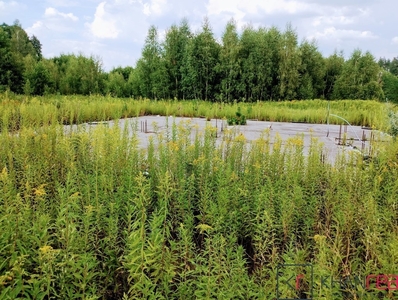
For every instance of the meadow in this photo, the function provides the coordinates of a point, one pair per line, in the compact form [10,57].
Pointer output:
[90,215]
[19,111]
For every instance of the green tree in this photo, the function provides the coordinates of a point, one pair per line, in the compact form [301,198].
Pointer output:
[116,85]
[152,68]
[11,63]
[390,86]
[54,76]
[256,64]
[36,46]
[229,66]
[389,65]
[40,79]
[312,71]
[384,63]
[274,40]
[30,64]
[79,74]
[133,84]
[175,46]
[359,79]
[4,56]
[188,73]
[201,58]
[124,71]
[117,82]
[15,46]
[394,66]
[333,68]
[289,64]
[20,42]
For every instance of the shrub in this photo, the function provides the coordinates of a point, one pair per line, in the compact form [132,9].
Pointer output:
[238,119]
[393,120]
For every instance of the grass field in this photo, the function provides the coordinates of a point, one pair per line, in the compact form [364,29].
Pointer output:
[20,111]
[90,215]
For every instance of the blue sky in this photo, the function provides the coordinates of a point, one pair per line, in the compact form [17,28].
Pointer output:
[115,30]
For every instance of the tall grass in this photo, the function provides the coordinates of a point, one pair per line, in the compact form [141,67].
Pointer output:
[20,111]
[90,215]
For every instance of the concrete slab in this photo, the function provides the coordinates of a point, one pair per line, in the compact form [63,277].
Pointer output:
[328,135]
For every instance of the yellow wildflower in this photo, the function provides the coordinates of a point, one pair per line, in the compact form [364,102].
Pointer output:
[199,160]
[257,165]
[89,208]
[240,138]
[4,174]
[319,238]
[204,228]
[45,249]
[173,146]
[40,191]
[234,176]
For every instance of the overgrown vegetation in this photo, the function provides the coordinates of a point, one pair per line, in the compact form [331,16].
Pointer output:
[393,123]
[89,215]
[238,119]
[22,111]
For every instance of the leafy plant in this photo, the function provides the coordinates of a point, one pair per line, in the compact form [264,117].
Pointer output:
[238,119]
[393,120]
[88,214]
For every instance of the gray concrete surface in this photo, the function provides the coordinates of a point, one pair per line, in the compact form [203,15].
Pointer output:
[326,134]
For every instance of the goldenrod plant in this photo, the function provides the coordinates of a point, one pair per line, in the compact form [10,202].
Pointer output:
[88,214]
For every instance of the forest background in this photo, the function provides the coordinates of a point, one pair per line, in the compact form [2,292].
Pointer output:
[255,64]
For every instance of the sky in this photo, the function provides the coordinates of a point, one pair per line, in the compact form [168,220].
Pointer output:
[115,30]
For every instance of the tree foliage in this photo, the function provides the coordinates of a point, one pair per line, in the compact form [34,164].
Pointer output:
[229,67]
[312,71]
[201,79]
[390,87]
[360,78]
[248,65]
[289,64]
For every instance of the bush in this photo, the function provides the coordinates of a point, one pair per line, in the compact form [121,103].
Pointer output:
[238,119]
[393,118]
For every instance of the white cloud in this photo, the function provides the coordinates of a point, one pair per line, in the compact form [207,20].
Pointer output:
[340,16]
[240,8]
[103,25]
[37,25]
[121,25]
[35,28]
[154,7]
[263,13]
[343,34]
[54,22]
[10,7]
[330,20]
[62,3]
[52,12]
[5,5]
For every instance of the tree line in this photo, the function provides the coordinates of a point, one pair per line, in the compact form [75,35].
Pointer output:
[255,64]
